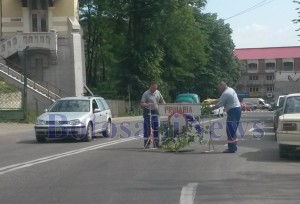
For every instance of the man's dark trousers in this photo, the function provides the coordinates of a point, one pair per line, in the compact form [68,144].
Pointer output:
[232,123]
[153,123]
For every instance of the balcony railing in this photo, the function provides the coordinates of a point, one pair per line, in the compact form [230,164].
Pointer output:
[20,41]
[269,82]
[254,82]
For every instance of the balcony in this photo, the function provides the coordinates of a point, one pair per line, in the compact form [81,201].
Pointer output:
[269,82]
[256,83]
[19,41]
[268,70]
[252,71]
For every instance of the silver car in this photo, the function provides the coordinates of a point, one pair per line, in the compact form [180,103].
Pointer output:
[77,117]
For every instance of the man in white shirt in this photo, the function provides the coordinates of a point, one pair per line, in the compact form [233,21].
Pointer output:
[231,103]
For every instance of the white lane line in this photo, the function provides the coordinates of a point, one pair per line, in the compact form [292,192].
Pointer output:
[15,167]
[188,193]
[251,130]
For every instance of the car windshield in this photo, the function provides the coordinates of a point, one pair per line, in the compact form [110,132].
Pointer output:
[292,105]
[71,106]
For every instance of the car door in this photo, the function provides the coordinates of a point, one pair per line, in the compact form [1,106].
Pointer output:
[98,116]
[103,114]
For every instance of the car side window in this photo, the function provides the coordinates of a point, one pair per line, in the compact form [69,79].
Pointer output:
[95,105]
[100,104]
[105,104]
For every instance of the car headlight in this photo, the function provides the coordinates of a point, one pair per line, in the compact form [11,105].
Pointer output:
[74,122]
[289,126]
[40,122]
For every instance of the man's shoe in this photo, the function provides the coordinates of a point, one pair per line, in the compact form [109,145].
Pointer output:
[228,151]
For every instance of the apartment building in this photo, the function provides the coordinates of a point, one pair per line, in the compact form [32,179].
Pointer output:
[269,72]
[45,37]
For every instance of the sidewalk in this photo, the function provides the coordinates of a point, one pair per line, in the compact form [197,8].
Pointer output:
[132,118]
[127,118]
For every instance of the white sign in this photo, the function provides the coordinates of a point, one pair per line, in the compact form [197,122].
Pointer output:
[182,108]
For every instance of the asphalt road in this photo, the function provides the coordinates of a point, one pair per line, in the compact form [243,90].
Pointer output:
[119,170]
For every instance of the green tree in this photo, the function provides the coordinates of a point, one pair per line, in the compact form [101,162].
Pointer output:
[222,64]
[297,21]
[131,42]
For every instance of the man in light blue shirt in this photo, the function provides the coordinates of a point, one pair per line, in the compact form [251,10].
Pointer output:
[231,103]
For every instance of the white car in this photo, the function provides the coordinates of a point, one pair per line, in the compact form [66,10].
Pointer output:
[288,131]
[76,117]
[217,112]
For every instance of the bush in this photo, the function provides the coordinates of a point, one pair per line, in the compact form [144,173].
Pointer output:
[174,140]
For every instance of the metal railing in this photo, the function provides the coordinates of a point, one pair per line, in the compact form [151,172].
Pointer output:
[51,94]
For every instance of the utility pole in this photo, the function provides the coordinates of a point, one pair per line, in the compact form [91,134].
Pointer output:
[129,99]
[25,59]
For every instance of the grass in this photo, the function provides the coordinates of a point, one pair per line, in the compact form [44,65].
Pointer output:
[5,88]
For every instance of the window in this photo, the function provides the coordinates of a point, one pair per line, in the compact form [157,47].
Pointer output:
[252,67]
[95,105]
[253,89]
[105,104]
[253,77]
[100,104]
[270,66]
[288,66]
[270,77]
[39,21]
[270,88]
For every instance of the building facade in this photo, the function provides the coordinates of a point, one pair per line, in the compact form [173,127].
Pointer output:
[44,36]
[269,72]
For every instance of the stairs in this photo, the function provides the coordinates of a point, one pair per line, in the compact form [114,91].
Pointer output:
[18,80]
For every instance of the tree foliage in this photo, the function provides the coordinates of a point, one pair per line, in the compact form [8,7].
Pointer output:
[131,42]
[296,21]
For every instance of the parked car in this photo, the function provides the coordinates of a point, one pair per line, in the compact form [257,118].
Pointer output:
[216,112]
[245,107]
[288,131]
[259,102]
[251,105]
[187,98]
[278,112]
[76,117]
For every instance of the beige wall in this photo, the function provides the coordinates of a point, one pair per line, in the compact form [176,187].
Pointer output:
[13,16]
[64,8]
[12,8]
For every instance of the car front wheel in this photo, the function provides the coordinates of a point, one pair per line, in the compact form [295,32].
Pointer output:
[107,131]
[89,133]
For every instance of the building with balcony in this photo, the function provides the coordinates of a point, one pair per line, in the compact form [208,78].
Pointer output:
[269,72]
[45,37]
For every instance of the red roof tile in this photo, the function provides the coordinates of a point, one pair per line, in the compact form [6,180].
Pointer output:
[268,53]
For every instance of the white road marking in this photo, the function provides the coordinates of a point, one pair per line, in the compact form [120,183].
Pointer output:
[188,193]
[251,130]
[14,167]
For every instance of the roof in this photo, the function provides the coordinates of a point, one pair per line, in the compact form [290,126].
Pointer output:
[187,97]
[293,94]
[268,53]
[80,98]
